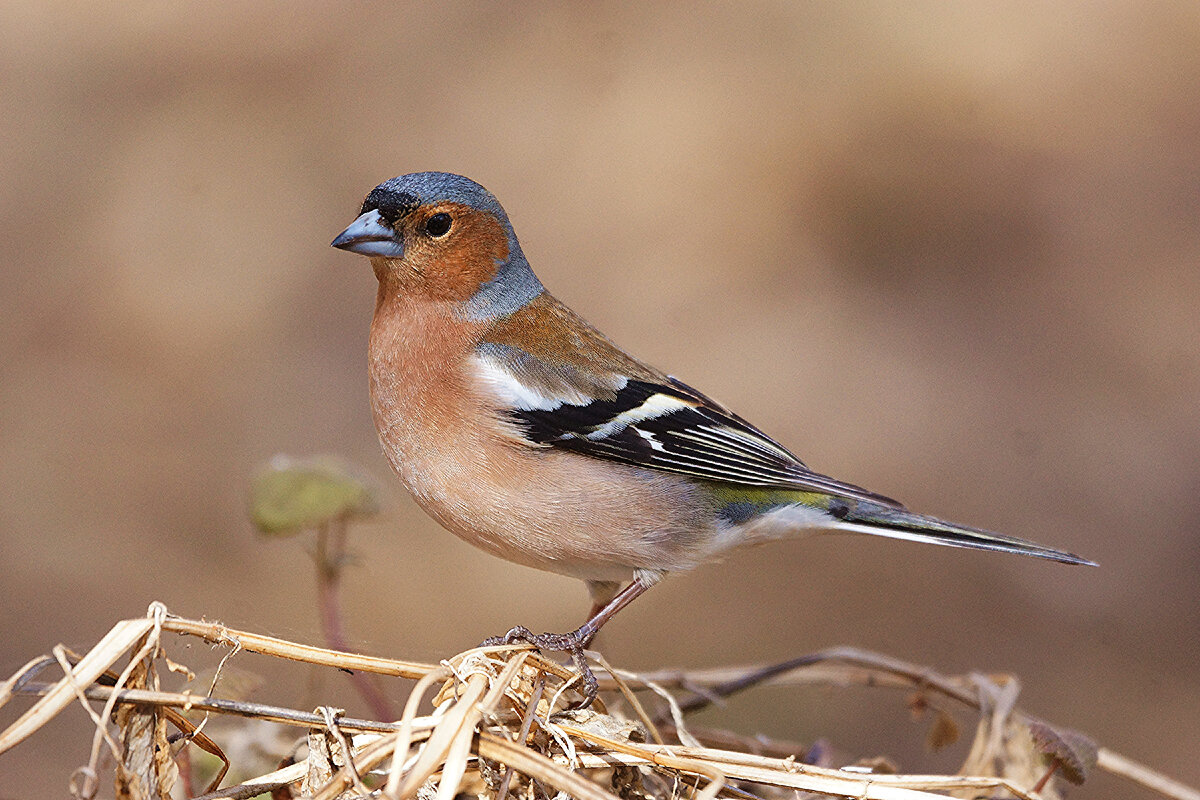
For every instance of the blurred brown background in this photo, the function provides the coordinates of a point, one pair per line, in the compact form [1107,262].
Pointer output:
[946,251]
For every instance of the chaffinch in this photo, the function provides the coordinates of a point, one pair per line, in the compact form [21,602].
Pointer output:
[525,431]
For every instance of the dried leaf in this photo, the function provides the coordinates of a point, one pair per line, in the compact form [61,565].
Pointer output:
[944,731]
[147,770]
[605,725]
[1075,753]
[324,758]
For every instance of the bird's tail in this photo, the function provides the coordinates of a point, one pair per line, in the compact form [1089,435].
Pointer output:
[897,523]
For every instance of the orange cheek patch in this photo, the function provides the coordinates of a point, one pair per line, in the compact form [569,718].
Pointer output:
[454,269]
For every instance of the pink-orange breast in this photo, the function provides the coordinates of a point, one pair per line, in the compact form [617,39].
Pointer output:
[544,507]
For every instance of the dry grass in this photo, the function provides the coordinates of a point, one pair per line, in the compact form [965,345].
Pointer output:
[498,730]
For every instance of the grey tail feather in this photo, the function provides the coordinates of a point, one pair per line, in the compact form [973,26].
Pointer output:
[878,520]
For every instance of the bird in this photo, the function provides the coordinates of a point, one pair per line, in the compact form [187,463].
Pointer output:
[525,431]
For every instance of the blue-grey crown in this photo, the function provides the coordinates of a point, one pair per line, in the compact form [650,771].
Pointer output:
[400,195]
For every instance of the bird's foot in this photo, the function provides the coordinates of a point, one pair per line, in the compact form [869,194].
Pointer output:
[571,643]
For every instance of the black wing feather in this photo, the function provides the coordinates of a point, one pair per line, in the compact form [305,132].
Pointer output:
[695,436]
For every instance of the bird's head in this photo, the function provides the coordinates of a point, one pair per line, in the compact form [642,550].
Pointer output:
[443,237]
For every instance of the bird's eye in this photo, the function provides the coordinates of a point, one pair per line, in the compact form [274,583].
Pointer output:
[438,225]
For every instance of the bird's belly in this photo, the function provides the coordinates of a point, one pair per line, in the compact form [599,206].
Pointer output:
[555,510]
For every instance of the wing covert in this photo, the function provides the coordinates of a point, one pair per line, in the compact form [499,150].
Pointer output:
[667,425]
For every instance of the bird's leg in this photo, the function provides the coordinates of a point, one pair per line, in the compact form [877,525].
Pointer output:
[601,593]
[575,641]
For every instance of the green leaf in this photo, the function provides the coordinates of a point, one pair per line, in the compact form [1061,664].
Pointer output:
[293,495]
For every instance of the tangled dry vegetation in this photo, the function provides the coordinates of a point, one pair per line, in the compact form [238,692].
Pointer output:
[497,725]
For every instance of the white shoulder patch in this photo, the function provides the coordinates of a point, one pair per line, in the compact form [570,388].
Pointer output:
[509,389]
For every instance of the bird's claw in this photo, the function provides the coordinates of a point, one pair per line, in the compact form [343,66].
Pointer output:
[571,643]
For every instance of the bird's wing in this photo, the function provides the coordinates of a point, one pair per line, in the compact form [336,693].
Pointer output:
[645,419]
